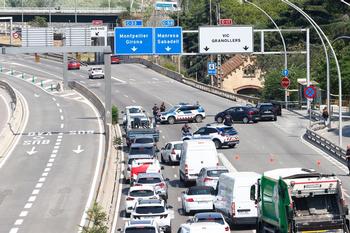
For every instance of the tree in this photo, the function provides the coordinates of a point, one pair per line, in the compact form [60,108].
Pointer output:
[38,21]
[98,218]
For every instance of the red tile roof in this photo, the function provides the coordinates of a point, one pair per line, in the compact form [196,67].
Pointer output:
[232,64]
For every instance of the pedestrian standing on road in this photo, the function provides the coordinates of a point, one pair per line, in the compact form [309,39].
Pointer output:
[155,111]
[348,157]
[162,107]
[325,115]
[228,121]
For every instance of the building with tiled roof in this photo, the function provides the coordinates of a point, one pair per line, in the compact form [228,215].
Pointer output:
[241,75]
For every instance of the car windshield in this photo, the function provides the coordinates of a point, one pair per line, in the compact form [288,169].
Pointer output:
[141,150]
[200,191]
[150,209]
[216,173]
[143,140]
[141,193]
[97,69]
[178,146]
[171,110]
[149,180]
[140,229]
[211,219]
[134,110]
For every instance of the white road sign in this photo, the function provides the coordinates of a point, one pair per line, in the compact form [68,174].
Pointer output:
[225,40]
[98,31]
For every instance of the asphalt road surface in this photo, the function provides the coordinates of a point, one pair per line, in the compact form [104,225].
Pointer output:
[5,108]
[264,146]
[46,181]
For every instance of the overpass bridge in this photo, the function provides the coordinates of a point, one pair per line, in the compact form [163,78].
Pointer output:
[63,14]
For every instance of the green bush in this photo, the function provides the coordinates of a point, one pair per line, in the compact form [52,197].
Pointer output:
[98,217]
[170,66]
[115,115]
[118,141]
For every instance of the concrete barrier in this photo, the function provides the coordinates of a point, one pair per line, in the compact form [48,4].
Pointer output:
[15,125]
[201,86]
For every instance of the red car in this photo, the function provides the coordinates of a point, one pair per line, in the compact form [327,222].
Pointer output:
[115,59]
[73,65]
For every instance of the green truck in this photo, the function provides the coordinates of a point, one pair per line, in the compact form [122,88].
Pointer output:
[300,200]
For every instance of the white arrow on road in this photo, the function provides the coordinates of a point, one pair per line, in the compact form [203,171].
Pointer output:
[31,152]
[168,48]
[134,48]
[78,150]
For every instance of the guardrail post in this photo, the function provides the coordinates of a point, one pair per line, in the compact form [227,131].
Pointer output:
[51,87]
[1,69]
[41,83]
[33,79]
[22,75]
[11,71]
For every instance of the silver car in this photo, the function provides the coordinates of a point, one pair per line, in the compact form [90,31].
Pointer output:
[209,176]
[154,180]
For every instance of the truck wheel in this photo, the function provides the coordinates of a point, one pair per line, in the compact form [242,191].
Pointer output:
[219,120]
[232,146]
[198,118]
[217,143]
[245,120]
[171,120]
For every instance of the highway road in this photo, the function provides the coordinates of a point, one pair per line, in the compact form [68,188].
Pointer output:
[264,146]
[46,181]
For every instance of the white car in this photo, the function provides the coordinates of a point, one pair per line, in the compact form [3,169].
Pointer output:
[128,162]
[155,181]
[141,226]
[96,72]
[137,193]
[205,223]
[155,210]
[131,110]
[209,176]
[139,166]
[171,152]
[198,198]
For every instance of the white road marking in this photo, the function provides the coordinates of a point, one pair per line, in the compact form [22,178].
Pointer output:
[47,169]
[31,198]
[226,163]
[44,174]
[62,118]
[77,98]
[58,104]
[18,222]
[42,179]
[23,213]
[178,199]
[53,156]
[133,101]
[155,79]
[39,185]
[68,94]
[58,143]
[126,96]
[54,151]
[51,160]
[119,80]
[131,79]
[56,147]
[163,137]
[60,110]
[59,140]
[44,81]
[13,230]
[175,176]
[28,206]
[49,165]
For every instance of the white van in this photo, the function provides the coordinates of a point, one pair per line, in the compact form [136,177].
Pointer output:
[233,197]
[195,155]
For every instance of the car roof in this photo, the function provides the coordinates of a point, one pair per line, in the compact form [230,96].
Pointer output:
[175,142]
[145,160]
[208,215]
[133,188]
[133,223]
[140,156]
[133,106]
[151,174]
[144,136]
[217,125]
[199,187]
[141,145]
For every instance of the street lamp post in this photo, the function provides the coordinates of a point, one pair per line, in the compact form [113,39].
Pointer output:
[345,2]
[336,62]
[75,11]
[283,41]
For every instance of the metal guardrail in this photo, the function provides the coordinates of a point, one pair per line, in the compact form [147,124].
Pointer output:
[326,145]
[11,92]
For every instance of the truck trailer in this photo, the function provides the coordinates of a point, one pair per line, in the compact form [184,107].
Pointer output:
[300,200]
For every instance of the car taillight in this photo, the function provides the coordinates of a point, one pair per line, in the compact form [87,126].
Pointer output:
[250,112]
[130,198]
[189,200]
[233,208]
[227,229]
[173,152]
[207,179]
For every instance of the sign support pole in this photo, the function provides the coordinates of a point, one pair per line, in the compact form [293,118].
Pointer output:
[108,88]
[65,72]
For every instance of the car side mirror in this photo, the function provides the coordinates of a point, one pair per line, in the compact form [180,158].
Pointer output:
[167,179]
[162,167]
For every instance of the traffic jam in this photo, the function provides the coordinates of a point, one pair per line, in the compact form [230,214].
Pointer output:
[215,198]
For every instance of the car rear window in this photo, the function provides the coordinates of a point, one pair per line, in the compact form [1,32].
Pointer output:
[97,69]
[143,140]
[216,173]
[150,209]
[140,229]
[201,191]
[228,130]
[141,150]
[149,180]
[141,193]
[178,146]
[209,219]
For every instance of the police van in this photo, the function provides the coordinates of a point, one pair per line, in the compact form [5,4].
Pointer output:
[183,113]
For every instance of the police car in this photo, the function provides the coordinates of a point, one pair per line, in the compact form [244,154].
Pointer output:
[183,113]
[221,135]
